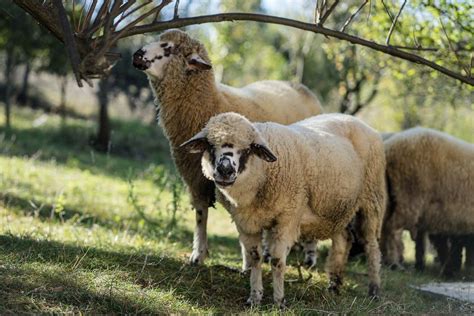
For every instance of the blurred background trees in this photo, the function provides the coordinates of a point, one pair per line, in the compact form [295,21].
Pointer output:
[391,94]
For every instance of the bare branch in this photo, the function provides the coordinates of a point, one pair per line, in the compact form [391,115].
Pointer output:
[390,15]
[394,22]
[349,20]
[468,72]
[176,6]
[157,9]
[88,18]
[224,17]
[317,11]
[418,48]
[133,11]
[69,40]
[328,12]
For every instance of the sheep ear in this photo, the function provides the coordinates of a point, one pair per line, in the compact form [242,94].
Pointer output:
[196,144]
[263,152]
[195,62]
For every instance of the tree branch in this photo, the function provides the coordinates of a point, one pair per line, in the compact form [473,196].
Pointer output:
[69,40]
[349,20]
[176,7]
[328,12]
[225,17]
[392,27]
[468,72]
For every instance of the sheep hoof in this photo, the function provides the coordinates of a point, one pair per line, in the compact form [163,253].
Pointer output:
[198,257]
[245,273]
[281,303]
[267,257]
[335,285]
[253,301]
[374,291]
[309,262]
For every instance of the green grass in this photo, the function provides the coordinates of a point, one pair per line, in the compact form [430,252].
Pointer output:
[110,233]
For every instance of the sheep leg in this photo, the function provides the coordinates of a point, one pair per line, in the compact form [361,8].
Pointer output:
[200,249]
[310,255]
[279,249]
[370,231]
[469,244]
[420,249]
[252,245]
[440,243]
[392,245]
[266,246]
[337,260]
[374,257]
[454,259]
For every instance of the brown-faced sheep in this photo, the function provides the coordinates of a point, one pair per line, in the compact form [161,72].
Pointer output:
[430,178]
[181,76]
[306,180]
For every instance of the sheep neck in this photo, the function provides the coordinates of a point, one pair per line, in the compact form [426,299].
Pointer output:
[186,105]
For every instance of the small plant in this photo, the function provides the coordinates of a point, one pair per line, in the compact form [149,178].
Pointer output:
[166,219]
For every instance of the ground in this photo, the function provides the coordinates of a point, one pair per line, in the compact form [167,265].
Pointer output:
[108,233]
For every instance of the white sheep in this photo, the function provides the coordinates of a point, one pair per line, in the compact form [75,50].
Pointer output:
[306,180]
[181,77]
[430,178]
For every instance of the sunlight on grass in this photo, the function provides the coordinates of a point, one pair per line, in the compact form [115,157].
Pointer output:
[103,233]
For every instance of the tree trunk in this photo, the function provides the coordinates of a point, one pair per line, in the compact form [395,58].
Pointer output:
[103,135]
[22,97]
[8,86]
[62,104]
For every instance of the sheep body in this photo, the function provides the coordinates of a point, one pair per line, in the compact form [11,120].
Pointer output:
[328,168]
[431,181]
[188,97]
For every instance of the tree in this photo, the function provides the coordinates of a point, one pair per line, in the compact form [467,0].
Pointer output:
[101,27]
[18,48]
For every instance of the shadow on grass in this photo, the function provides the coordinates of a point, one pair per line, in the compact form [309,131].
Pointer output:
[37,274]
[203,287]
[44,211]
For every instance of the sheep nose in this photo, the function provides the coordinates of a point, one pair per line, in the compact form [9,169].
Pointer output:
[138,61]
[225,168]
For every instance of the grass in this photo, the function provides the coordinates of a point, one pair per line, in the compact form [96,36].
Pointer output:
[110,233]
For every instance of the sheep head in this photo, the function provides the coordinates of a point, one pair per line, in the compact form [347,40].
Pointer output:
[227,143]
[174,47]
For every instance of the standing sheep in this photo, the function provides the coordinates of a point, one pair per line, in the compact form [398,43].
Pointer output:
[430,178]
[317,175]
[181,77]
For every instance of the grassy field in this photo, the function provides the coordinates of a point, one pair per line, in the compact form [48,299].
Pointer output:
[110,233]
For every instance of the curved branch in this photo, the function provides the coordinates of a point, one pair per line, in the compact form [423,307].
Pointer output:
[225,17]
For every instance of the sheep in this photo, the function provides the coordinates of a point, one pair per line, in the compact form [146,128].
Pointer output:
[430,177]
[181,77]
[318,173]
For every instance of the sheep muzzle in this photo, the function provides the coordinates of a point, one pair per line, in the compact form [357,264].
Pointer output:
[139,62]
[225,173]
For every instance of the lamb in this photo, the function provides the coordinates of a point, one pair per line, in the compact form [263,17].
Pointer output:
[306,180]
[181,77]
[430,178]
